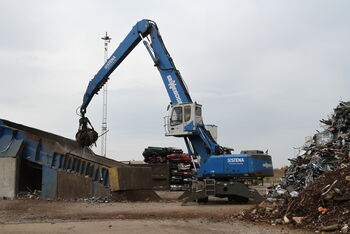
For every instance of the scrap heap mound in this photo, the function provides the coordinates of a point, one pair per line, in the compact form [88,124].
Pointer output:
[181,165]
[325,151]
[315,191]
[324,205]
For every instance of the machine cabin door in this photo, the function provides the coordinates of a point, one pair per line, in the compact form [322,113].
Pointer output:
[176,119]
[184,119]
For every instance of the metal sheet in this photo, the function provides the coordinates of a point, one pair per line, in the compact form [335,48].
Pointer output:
[98,190]
[10,147]
[130,178]
[160,175]
[49,183]
[73,186]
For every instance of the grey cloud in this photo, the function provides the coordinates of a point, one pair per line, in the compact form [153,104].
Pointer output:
[265,71]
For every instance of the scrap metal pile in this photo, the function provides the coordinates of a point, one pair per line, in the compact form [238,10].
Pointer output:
[323,206]
[181,165]
[315,191]
[159,154]
[326,151]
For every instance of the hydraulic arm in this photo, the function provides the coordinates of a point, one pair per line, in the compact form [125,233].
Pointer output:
[162,60]
[147,31]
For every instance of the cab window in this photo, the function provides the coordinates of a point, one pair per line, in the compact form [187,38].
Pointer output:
[198,111]
[187,113]
[176,116]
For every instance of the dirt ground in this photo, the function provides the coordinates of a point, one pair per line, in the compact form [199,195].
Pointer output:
[168,216]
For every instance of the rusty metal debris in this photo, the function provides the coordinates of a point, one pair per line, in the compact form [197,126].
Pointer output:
[29,194]
[100,199]
[326,151]
[315,191]
[181,165]
[321,206]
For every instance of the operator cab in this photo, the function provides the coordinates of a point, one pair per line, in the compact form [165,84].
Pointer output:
[183,119]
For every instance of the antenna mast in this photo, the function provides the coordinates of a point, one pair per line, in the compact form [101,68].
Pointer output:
[104,130]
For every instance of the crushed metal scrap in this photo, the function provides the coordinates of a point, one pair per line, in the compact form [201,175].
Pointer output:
[181,165]
[315,191]
[323,206]
[325,151]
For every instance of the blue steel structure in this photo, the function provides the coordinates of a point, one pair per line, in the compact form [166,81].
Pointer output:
[53,154]
[162,60]
[215,161]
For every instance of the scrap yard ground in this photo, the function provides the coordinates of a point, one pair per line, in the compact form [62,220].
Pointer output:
[167,216]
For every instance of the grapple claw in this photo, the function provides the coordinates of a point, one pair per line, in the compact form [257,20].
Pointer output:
[86,136]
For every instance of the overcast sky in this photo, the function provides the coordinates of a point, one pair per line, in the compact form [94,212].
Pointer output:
[264,71]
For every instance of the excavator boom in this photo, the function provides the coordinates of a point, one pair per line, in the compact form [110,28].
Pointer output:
[147,31]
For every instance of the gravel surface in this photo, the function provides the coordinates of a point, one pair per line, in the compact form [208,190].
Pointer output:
[169,216]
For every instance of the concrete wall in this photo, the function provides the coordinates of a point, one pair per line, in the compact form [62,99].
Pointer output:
[8,177]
